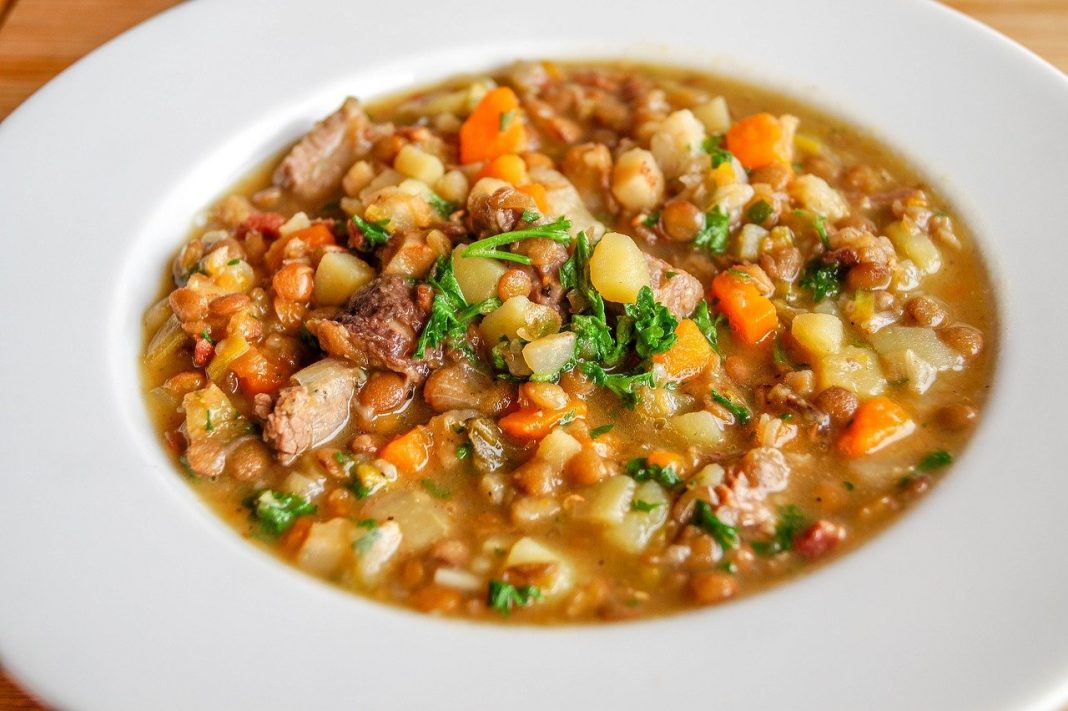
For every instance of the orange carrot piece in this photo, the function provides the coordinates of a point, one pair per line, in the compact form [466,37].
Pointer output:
[538,192]
[751,315]
[493,128]
[317,235]
[509,168]
[665,459]
[879,422]
[409,452]
[535,423]
[256,373]
[755,141]
[689,355]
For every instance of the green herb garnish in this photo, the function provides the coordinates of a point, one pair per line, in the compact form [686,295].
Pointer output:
[277,510]
[740,412]
[708,324]
[641,470]
[598,431]
[449,311]
[819,224]
[791,523]
[506,118]
[712,146]
[645,506]
[557,231]
[463,451]
[624,385]
[435,489]
[934,460]
[713,236]
[705,519]
[652,219]
[823,279]
[759,212]
[504,597]
[654,325]
[443,207]
[374,233]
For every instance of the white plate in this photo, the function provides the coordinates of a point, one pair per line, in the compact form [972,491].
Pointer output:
[120,590]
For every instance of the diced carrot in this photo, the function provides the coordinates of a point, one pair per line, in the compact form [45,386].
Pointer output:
[535,423]
[538,192]
[256,373]
[509,168]
[755,141]
[877,423]
[751,315]
[689,355]
[411,451]
[665,459]
[493,128]
[317,235]
[294,538]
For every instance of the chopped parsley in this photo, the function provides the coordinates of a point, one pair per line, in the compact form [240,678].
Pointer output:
[233,261]
[463,451]
[849,486]
[206,335]
[819,224]
[506,119]
[449,311]
[277,510]
[598,431]
[741,414]
[654,325]
[652,219]
[209,426]
[712,146]
[823,279]
[645,506]
[504,597]
[488,248]
[435,489]
[791,523]
[364,542]
[705,519]
[530,216]
[641,470]
[713,236]
[759,212]
[374,233]
[934,460]
[708,324]
[368,523]
[624,385]
[443,207]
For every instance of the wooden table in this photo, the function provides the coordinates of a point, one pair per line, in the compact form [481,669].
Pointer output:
[40,38]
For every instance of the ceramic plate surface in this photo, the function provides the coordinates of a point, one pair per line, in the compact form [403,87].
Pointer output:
[120,590]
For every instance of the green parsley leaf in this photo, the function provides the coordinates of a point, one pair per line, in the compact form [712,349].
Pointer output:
[233,261]
[206,335]
[209,426]
[849,486]
[277,510]
[652,219]
[435,489]
[368,523]
[712,146]
[506,118]
[603,429]
[624,385]
[449,311]
[791,522]
[557,231]
[705,519]
[759,212]
[443,207]
[740,412]
[709,326]
[463,451]
[819,224]
[530,216]
[374,233]
[645,506]
[934,460]
[653,324]
[504,597]
[364,542]
[713,236]
[823,279]
[641,470]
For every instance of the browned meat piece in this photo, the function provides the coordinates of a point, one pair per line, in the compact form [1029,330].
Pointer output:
[782,397]
[266,223]
[679,291]
[499,212]
[740,499]
[306,416]
[819,539]
[314,167]
[556,127]
[461,386]
[589,168]
[379,327]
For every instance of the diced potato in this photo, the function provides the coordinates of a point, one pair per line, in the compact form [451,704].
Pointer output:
[417,163]
[560,577]
[908,368]
[852,368]
[749,239]
[477,276]
[638,527]
[305,486]
[911,242]
[817,196]
[549,354]
[415,187]
[709,475]
[357,178]
[388,178]
[452,186]
[607,502]
[422,519]
[915,354]
[700,428]
[519,317]
[819,334]
[676,142]
[328,547]
[374,551]
[206,411]
[637,181]
[618,268]
[339,276]
[298,222]
[714,114]
[400,210]
[557,448]
[227,351]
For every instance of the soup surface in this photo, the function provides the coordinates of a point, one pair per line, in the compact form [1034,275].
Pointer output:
[570,343]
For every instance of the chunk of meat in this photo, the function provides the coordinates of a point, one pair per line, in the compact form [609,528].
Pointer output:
[314,167]
[266,223]
[379,327]
[500,211]
[676,289]
[461,386]
[740,499]
[306,416]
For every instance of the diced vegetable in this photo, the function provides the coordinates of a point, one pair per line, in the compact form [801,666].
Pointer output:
[548,355]
[339,276]
[689,355]
[508,167]
[638,527]
[819,334]
[317,235]
[924,342]
[618,268]
[519,317]
[700,428]
[676,142]
[375,549]
[557,448]
[410,452]
[751,315]
[756,141]
[493,128]
[909,241]
[637,181]
[276,510]
[207,411]
[817,196]
[535,423]
[418,164]
[168,339]
[422,518]
[714,114]
[327,547]
[227,351]
[560,575]
[608,501]
[477,276]
[258,374]
[852,368]
[878,423]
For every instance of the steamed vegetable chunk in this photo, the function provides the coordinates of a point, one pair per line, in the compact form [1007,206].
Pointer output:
[569,343]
